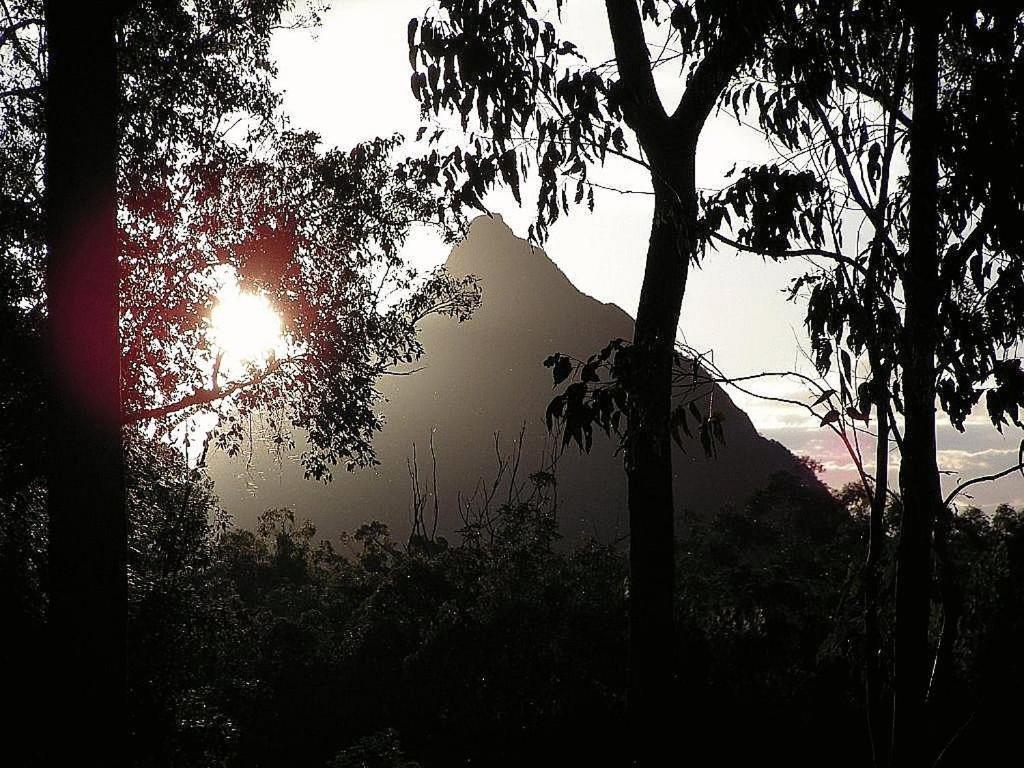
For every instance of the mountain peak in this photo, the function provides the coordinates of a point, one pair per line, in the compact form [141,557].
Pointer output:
[512,272]
[485,377]
[492,248]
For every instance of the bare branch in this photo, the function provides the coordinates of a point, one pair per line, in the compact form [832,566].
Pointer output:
[983,479]
[883,100]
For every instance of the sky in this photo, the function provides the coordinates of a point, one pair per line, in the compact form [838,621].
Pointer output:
[349,81]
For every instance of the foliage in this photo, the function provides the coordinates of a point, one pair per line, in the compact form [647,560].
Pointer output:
[215,189]
[597,395]
[380,750]
[318,234]
[271,647]
[768,623]
[525,99]
[448,645]
[529,102]
[842,131]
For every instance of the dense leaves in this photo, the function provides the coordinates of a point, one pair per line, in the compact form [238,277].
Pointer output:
[597,396]
[530,103]
[214,191]
[270,647]
[318,234]
[843,131]
[525,98]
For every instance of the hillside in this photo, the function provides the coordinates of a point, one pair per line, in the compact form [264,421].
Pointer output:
[485,378]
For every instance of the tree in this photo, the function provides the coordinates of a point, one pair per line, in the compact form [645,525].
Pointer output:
[919,471]
[534,103]
[213,189]
[318,234]
[87,539]
[887,301]
[209,187]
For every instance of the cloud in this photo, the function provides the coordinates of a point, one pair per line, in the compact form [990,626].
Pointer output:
[980,462]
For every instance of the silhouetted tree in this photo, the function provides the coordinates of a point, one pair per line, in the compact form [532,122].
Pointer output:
[319,234]
[271,647]
[85,496]
[213,189]
[919,471]
[207,184]
[534,102]
[864,303]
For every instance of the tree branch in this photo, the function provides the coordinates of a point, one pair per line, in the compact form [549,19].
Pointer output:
[8,32]
[30,90]
[839,151]
[791,254]
[883,100]
[719,65]
[203,396]
[634,59]
[983,479]
[802,252]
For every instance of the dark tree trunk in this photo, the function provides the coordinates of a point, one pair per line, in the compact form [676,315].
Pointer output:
[919,474]
[880,357]
[939,687]
[878,723]
[87,547]
[670,144]
[649,461]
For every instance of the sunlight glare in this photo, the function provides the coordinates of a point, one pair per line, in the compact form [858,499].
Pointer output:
[245,328]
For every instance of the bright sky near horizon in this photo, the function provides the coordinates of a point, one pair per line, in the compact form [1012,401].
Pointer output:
[349,81]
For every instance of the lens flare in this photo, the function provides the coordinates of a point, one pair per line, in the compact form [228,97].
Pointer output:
[245,328]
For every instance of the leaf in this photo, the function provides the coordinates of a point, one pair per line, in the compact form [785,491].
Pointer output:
[716,423]
[1020,457]
[683,422]
[679,422]
[561,370]
[853,413]
[695,411]
[829,418]
[865,391]
[510,173]
[707,438]
[554,411]
[589,372]
[976,273]
[824,396]
[874,166]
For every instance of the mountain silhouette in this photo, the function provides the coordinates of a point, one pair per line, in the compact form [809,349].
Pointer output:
[480,386]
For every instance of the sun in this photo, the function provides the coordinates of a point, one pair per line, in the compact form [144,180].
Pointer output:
[245,328]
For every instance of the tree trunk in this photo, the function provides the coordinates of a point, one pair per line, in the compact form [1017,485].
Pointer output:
[952,606]
[670,145]
[87,546]
[649,461]
[919,474]
[878,728]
